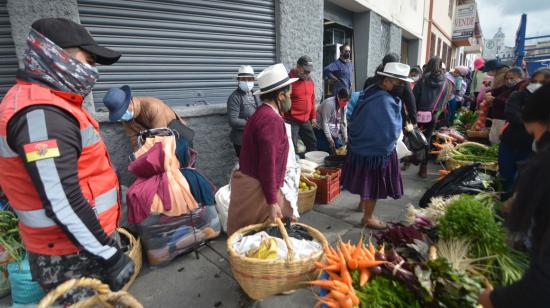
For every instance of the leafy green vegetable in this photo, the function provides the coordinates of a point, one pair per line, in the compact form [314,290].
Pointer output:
[472,218]
[10,239]
[383,291]
[467,118]
[445,287]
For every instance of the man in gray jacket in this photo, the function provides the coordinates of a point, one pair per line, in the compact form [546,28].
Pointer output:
[241,104]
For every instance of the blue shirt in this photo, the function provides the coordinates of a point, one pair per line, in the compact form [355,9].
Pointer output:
[341,70]
[351,104]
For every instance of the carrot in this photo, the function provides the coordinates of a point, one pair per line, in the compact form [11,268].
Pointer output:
[438,145]
[327,301]
[332,268]
[371,248]
[360,243]
[348,303]
[344,273]
[369,263]
[354,299]
[327,284]
[364,277]
[369,255]
[342,287]
[444,172]
[334,276]
[353,263]
[319,265]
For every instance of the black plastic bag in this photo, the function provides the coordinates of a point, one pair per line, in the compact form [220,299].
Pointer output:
[470,179]
[416,140]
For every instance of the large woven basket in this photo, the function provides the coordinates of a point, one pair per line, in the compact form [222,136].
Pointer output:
[263,278]
[134,252]
[306,199]
[104,296]
[452,164]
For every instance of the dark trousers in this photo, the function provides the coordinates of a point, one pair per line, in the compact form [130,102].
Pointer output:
[322,142]
[427,130]
[508,160]
[304,131]
[237,149]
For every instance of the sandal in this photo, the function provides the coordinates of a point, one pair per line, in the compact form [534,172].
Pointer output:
[374,224]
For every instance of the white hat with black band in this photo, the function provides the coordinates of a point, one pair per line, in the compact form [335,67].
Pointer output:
[272,78]
[245,71]
[397,70]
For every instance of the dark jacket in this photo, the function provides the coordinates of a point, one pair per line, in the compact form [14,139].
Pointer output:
[240,107]
[501,95]
[303,100]
[531,207]
[406,95]
[515,136]
[427,91]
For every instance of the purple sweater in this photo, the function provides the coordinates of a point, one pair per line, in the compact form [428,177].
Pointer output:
[264,151]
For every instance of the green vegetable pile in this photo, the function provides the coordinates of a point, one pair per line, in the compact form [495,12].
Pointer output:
[10,239]
[475,152]
[445,287]
[471,219]
[383,291]
[464,120]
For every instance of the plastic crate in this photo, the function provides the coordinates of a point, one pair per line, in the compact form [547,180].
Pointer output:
[328,188]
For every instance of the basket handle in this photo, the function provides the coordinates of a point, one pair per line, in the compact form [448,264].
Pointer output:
[99,287]
[290,254]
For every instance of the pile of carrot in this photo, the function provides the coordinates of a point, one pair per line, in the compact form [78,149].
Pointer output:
[338,264]
[483,109]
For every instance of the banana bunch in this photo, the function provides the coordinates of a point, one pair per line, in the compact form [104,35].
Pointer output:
[342,151]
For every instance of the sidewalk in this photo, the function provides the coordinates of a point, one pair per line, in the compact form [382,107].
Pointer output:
[208,282]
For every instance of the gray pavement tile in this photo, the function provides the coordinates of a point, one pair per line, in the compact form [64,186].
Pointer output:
[330,227]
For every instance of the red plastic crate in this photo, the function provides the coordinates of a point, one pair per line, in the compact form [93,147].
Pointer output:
[328,188]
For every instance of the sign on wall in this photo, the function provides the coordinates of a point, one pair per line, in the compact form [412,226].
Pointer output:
[465,21]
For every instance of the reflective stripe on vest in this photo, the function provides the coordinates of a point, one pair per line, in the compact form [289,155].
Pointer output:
[5,150]
[88,135]
[38,218]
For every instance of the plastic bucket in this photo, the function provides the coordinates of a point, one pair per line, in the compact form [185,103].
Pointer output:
[317,157]
[24,291]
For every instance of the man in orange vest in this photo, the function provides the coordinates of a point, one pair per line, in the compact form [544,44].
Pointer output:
[56,171]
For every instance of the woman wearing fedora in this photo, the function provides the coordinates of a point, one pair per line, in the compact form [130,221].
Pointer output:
[138,113]
[371,169]
[256,188]
[241,105]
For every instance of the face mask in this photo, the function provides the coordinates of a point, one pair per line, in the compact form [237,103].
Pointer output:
[415,78]
[511,83]
[48,63]
[246,86]
[346,55]
[303,76]
[533,86]
[127,116]
[342,103]
[287,104]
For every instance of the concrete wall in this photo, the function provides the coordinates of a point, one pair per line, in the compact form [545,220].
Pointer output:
[371,44]
[300,32]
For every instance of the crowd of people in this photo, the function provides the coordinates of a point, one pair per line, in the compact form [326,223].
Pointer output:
[57,174]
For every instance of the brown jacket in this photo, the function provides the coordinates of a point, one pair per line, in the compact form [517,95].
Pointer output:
[149,112]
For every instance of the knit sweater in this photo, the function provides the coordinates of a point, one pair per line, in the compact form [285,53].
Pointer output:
[264,150]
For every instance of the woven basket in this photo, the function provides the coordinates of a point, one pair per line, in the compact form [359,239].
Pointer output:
[263,278]
[306,199]
[452,164]
[134,252]
[103,298]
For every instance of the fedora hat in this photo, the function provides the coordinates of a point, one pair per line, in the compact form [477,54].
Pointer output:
[117,101]
[245,71]
[272,78]
[397,70]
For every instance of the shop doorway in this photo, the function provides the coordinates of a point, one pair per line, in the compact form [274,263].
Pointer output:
[335,35]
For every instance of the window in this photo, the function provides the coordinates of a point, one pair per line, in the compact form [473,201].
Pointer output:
[449,50]
[451,6]
[444,55]
[432,47]
[438,50]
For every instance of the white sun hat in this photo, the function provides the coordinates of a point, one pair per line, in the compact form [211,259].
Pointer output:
[397,70]
[272,78]
[245,71]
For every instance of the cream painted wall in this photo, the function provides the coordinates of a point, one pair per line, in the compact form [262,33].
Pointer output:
[441,15]
[403,13]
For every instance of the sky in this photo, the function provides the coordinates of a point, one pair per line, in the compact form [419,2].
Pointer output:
[507,14]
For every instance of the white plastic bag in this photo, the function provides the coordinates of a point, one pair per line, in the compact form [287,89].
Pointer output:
[222,205]
[402,150]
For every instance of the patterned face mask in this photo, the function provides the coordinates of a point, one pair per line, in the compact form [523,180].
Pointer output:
[46,62]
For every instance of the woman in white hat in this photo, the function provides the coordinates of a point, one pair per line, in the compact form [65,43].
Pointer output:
[371,169]
[256,188]
[241,105]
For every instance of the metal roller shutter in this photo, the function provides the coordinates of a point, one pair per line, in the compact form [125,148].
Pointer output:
[8,59]
[185,52]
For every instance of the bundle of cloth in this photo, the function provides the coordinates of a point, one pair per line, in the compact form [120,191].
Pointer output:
[160,187]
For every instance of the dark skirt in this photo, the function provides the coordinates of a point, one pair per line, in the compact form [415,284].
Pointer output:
[372,183]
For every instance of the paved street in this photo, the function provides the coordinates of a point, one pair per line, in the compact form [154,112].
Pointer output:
[208,282]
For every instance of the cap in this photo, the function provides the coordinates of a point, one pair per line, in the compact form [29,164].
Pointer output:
[306,63]
[493,65]
[66,33]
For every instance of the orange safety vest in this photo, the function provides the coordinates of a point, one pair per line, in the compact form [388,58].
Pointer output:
[98,180]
